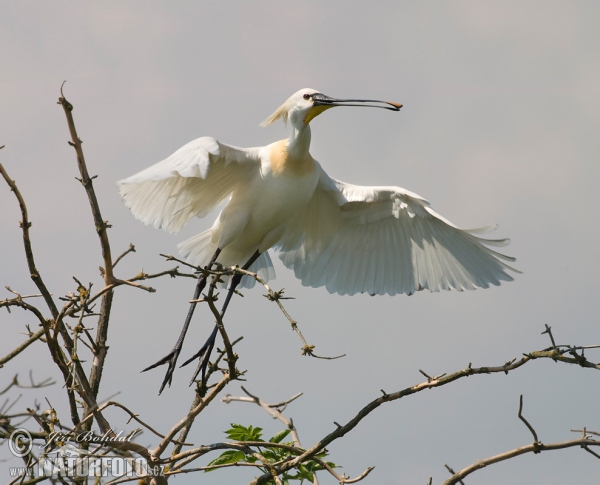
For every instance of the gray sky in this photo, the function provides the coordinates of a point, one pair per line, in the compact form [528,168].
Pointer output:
[500,125]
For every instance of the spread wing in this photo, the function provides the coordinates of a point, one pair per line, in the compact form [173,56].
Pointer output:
[385,240]
[189,183]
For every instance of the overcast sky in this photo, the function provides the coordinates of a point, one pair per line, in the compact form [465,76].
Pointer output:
[500,125]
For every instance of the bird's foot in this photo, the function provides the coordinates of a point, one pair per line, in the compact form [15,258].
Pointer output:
[171,359]
[203,354]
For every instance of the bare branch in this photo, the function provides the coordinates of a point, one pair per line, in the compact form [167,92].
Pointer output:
[535,438]
[130,249]
[33,385]
[449,468]
[342,479]
[272,409]
[532,448]
[277,296]
[135,417]
[231,355]
[86,181]
[22,297]
[549,332]
[158,451]
[170,257]
[245,446]
[585,432]
[33,337]
[101,226]
[429,384]
[25,225]
[174,272]
[200,392]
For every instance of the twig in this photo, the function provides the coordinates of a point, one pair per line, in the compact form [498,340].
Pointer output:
[174,272]
[193,454]
[272,409]
[342,479]
[549,332]
[135,417]
[55,351]
[451,470]
[522,418]
[131,249]
[231,355]
[22,347]
[169,257]
[22,297]
[86,181]
[25,225]
[277,296]
[158,451]
[532,448]
[198,397]
[34,385]
[585,432]
[271,295]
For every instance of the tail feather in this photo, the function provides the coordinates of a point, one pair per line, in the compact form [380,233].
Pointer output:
[198,249]
[263,266]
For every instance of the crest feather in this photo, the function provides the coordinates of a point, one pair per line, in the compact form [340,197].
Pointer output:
[281,112]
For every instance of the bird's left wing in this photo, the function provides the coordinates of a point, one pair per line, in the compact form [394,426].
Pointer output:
[189,183]
[385,240]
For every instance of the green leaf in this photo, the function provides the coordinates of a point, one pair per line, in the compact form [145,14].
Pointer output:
[237,432]
[229,456]
[279,436]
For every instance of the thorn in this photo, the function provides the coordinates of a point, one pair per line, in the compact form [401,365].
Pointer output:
[549,332]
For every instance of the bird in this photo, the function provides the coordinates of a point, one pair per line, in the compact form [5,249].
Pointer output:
[348,238]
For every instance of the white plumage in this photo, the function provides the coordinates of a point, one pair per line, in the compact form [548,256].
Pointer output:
[348,238]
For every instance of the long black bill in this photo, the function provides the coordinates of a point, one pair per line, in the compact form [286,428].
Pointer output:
[322,100]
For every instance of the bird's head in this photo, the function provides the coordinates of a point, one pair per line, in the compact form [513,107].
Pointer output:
[306,104]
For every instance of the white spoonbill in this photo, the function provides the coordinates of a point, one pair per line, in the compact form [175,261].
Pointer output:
[348,238]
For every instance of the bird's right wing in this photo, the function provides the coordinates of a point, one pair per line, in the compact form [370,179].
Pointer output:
[189,183]
[385,240]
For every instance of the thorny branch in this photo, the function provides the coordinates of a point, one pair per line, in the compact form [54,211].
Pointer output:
[32,338]
[66,355]
[25,225]
[271,295]
[56,352]
[101,226]
[536,447]
[32,385]
[553,353]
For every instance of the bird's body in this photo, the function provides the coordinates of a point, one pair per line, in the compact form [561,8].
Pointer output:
[351,239]
[259,209]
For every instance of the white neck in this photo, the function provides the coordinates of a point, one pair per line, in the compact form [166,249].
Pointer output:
[298,143]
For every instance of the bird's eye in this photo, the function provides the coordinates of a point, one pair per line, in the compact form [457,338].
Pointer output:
[307,96]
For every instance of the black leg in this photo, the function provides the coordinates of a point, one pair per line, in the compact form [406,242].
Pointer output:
[171,357]
[205,351]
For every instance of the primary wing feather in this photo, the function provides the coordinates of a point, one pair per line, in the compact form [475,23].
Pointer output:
[385,240]
[192,181]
